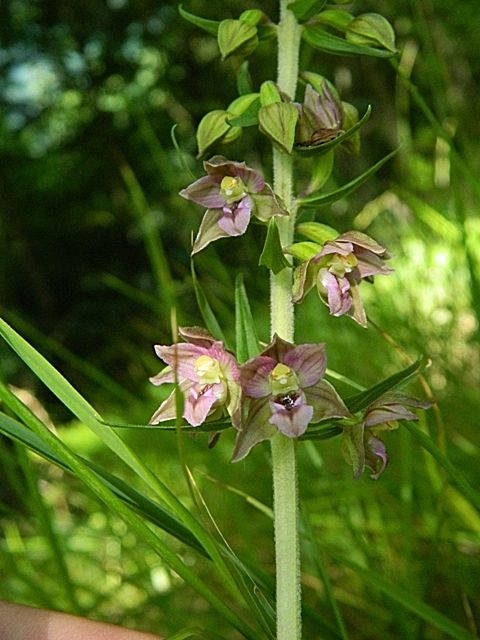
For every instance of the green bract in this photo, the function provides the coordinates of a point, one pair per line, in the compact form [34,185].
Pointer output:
[236,37]
[371,29]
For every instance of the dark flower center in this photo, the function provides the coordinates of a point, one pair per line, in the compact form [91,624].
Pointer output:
[287,400]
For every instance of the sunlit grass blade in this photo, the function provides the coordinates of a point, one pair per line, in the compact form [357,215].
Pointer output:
[135,522]
[316,558]
[317,200]
[247,343]
[149,509]
[208,316]
[45,519]
[454,474]
[89,371]
[256,601]
[406,600]
[86,414]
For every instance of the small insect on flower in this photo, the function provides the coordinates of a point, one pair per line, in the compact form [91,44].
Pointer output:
[321,137]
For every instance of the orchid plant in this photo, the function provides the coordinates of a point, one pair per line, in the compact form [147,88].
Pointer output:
[280,394]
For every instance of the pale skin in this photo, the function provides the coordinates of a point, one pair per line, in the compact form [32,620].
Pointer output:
[18,622]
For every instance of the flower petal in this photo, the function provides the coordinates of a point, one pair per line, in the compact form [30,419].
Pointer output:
[353,448]
[168,409]
[267,204]
[181,358]
[204,191]
[309,362]
[209,230]
[360,239]
[234,220]
[326,402]
[391,406]
[357,310]
[218,167]
[254,429]
[336,291]
[254,376]
[291,422]
[370,264]
[376,457]
[199,402]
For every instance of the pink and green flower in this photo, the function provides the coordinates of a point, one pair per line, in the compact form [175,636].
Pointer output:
[337,270]
[232,193]
[362,446]
[207,375]
[284,391]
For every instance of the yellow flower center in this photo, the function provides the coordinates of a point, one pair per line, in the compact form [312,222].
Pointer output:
[208,370]
[283,379]
[232,189]
[340,265]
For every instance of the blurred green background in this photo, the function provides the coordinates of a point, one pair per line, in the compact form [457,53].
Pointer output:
[95,253]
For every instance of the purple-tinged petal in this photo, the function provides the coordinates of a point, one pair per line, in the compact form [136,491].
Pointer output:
[235,218]
[204,191]
[304,277]
[370,264]
[199,402]
[209,230]
[357,311]
[309,362]
[360,239]
[336,246]
[326,402]
[168,409]
[391,406]
[181,358]
[167,375]
[197,335]
[255,428]
[290,414]
[277,349]
[337,292]
[219,167]
[254,376]
[353,448]
[376,457]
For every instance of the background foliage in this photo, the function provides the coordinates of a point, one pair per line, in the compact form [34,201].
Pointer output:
[95,252]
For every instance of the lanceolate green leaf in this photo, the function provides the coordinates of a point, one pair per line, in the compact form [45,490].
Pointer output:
[361,400]
[247,343]
[209,318]
[324,41]
[306,9]
[316,200]
[210,26]
[327,146]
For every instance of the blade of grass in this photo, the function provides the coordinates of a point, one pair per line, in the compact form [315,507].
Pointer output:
[402,597]
[114,503]
[208,316]
[153,244]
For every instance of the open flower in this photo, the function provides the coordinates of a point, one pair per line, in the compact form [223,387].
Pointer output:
[232,192]
[285,391]
[361,445]
[207,375]
[337,270]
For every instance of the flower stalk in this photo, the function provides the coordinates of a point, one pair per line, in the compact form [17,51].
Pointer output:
[285,490]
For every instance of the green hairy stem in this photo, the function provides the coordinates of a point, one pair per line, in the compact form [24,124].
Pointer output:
[284,462]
